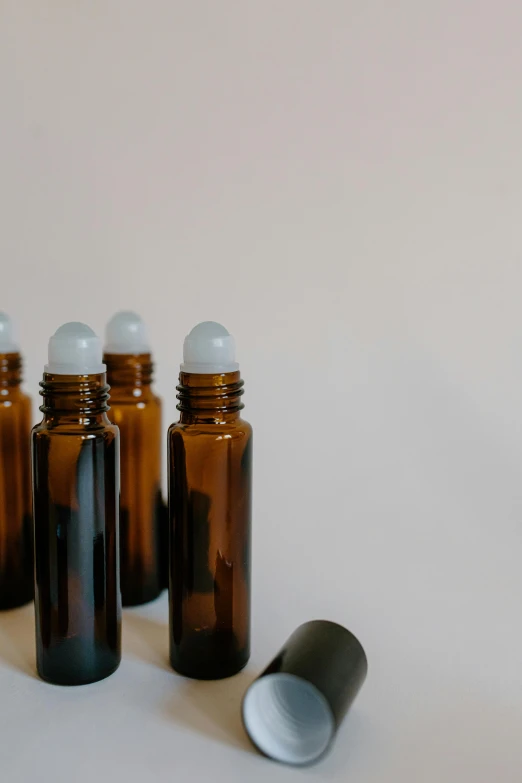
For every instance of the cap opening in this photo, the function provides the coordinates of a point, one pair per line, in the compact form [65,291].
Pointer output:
[288,718]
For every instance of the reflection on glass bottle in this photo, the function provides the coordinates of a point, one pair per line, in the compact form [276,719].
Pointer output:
[136,410]
[210,515]
[16,527]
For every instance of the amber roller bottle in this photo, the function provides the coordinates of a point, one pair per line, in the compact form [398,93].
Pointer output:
[16,529]
[75,453]
[210,472]
[137,412]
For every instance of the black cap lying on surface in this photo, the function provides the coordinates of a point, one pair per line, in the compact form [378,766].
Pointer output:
[294,708]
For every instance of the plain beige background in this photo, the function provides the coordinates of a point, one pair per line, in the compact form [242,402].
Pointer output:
[339,183]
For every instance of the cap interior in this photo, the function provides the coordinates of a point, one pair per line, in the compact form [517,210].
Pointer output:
[288,718]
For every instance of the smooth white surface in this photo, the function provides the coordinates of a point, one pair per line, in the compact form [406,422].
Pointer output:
[7,341]
[209,348]
[288,718]
[340,184]
[126,333]
[74,349]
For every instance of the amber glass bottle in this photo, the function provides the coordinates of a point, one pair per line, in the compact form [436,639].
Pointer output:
[75,491]
[210,473]
[137,412]
[16,530]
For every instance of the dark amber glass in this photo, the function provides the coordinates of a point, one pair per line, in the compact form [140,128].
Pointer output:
[210,475]
[75,453]
[16,529]
[137,411]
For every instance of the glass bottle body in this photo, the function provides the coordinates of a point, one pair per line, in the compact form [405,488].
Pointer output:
[136,410]
[210,474]
[16,527]
[75,453]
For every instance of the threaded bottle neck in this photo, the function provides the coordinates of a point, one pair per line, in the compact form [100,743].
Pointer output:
[211,399]
[79,399]
[128,371]
[10,370]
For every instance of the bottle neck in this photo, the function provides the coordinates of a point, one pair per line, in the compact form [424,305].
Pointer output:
[209,399]
[129,373]
[79,400]
[10,371]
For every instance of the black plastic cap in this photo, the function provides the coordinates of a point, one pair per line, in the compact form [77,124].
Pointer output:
[294,708]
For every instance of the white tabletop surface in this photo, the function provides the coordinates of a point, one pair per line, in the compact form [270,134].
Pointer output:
[438,613]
